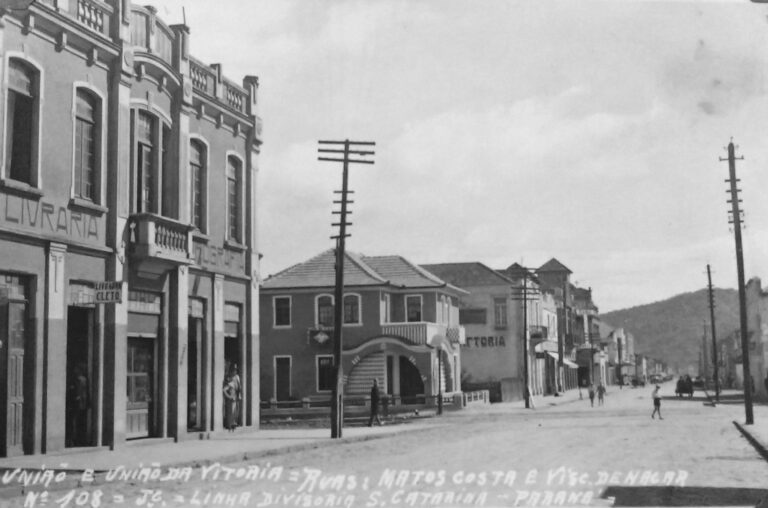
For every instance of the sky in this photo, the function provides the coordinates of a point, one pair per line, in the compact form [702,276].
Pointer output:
[509,131]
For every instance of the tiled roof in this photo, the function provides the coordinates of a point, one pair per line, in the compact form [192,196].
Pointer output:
[553,265]
[401,272]
[468,274]
[358,271]
[516,271]
[320,271]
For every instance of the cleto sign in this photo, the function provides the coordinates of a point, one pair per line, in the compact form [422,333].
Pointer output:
[109,292]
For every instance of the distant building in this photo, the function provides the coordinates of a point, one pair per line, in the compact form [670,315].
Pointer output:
[400,326]
[492,357]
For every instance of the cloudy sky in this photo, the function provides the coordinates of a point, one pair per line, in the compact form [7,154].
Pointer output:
[509,131]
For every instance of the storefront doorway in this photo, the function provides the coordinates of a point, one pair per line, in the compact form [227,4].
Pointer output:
[13,338]
[196,329]
[79,403]
[141,387]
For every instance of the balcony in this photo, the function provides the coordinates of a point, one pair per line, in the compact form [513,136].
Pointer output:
[538,332]
[424,333]
[156,238]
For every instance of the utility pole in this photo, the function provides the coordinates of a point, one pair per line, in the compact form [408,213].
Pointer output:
[561,337]
[523,294]
[736,221]
[716,374]
[704,364]
[341,151]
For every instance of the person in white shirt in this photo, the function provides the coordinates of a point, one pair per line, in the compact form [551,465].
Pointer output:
[656,403]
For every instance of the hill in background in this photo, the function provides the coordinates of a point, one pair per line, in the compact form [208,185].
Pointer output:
[671,330]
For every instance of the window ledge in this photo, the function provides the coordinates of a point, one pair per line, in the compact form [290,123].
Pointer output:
[21,188]
[231,244]
[87,206]
[199,235]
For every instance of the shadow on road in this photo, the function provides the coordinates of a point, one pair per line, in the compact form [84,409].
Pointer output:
[685,496]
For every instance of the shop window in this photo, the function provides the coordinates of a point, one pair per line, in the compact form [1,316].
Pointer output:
[325,373]
[282,307]
[22,110]
[324,310]
[352,309]
[413,308]
[473,316]
[87,138]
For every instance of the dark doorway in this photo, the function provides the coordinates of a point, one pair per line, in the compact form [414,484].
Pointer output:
[141,387]
[283,377]
[195,374]
[411,384]
[390,375]
[79,428]
[13,333]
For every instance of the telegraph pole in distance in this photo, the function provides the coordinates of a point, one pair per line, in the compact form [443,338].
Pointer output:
[523,294]
[341,151]
[716,374]
[736,221]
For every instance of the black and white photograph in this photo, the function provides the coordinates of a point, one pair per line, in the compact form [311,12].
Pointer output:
[383,253]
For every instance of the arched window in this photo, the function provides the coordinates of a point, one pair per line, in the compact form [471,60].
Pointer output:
[151,150]
[87,136]
[21,129]
[198,175]
[234,211]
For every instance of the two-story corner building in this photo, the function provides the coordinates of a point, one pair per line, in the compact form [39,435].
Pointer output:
[401,326]
[129,267]
[492,358]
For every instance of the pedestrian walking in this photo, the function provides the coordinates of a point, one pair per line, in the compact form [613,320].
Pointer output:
[374,403]
[656,403]
[592,395]
[600,394]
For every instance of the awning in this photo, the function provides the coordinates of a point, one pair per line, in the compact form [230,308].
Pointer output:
[566,361]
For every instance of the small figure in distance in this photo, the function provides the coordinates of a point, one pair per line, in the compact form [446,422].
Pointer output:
[600,394]
[374,403]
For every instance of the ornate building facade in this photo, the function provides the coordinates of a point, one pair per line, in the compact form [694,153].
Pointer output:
[128,251]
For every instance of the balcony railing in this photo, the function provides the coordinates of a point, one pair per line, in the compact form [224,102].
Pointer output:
[161,238]
[423,332]
[538,331]
[94,14]
[235,97]
[203,77]
[456,334]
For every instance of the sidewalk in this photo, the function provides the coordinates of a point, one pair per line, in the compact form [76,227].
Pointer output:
[757,433]
[241,445]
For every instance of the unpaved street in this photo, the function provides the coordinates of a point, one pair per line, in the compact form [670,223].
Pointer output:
[502,455]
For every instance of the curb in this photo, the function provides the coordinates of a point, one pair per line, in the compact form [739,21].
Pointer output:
[74,475]
[761,449]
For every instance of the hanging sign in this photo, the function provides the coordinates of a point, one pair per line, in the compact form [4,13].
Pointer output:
[109,292]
